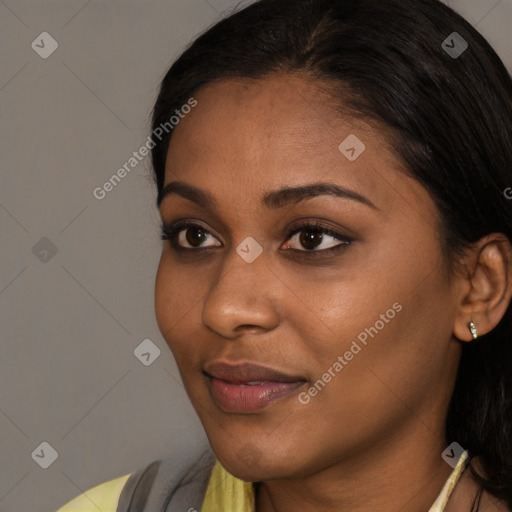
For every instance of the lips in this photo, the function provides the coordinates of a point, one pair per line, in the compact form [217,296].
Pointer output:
[248,387]
[248,373]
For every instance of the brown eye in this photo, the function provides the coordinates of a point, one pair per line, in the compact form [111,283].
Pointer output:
[315,238]
[194,236]
[310,239]
[188,236]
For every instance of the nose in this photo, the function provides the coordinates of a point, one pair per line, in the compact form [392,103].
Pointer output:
[243,298]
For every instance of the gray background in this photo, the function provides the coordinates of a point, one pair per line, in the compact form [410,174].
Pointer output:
[70,321]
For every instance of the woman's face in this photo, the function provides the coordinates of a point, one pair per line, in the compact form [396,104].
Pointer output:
[360,318]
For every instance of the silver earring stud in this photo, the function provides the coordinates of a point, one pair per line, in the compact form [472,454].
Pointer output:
[472,329]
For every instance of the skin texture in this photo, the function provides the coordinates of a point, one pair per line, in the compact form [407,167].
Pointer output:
[372,438]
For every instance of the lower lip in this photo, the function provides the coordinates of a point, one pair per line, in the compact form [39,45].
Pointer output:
[239,398]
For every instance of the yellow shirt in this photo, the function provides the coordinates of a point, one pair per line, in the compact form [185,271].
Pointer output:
[225,493]
[104,497]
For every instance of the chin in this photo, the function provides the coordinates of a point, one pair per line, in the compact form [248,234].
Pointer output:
[250,463]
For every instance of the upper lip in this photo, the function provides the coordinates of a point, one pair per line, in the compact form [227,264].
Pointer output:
[247,372]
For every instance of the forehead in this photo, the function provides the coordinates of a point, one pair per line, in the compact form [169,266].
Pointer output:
[285,113]
[254,135]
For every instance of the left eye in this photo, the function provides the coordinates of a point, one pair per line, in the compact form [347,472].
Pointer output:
[315,238]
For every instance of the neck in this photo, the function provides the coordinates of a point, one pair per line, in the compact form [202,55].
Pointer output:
[403,473]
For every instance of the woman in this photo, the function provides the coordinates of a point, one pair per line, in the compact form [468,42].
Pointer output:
[336,277]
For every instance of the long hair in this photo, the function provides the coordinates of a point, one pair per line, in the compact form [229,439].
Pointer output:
[446,97]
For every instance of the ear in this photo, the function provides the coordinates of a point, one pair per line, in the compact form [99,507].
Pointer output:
[486,289]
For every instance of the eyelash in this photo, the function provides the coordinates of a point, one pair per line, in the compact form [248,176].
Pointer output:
[170,233]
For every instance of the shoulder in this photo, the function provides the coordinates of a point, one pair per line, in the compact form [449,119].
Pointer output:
[104,497]
[172,482]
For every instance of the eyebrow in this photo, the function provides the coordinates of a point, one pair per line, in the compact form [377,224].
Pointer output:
[273,200]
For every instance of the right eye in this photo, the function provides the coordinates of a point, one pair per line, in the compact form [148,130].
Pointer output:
[181,234]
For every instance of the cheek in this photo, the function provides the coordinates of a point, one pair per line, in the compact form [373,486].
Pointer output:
[163,297]
[175,290]
[376,386]
[389,323]
[404,361]
[328,310]
[173,301]
[178,312]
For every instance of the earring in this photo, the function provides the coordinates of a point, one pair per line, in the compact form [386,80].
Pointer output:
[472,328]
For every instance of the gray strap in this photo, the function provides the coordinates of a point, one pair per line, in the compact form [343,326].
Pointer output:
[168,486]
[134,493]
[191,491]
